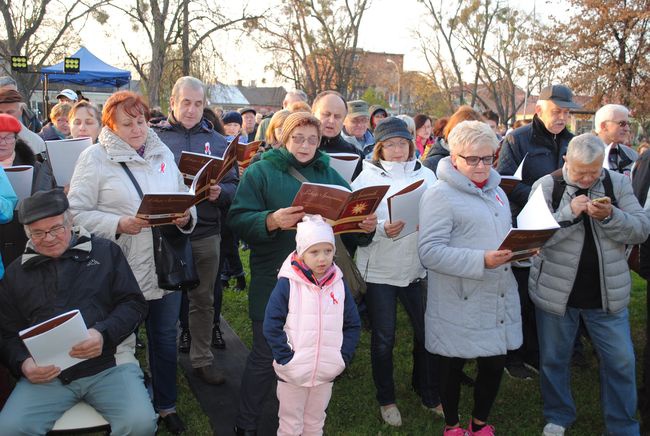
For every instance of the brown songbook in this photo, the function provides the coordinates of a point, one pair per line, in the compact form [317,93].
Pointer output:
[343,209]
[245,153]
[190,163]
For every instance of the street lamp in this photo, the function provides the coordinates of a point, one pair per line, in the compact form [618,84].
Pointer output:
[399,85]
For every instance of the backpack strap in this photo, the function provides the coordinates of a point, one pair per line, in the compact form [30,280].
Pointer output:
[609,187]
[559,186]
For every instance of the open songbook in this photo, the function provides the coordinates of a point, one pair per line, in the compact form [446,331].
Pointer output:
[344,164]
[343,209]
[50,342]
[63,155]
[20,178]
[535,226]
[405,206]
[508,183]
[199,171]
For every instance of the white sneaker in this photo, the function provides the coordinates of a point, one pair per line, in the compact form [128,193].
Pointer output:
[391,416]
[551,429]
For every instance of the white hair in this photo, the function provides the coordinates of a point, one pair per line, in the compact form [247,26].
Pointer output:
[188,81]
[607,113]
[471,133]
[410,123]
[586,148]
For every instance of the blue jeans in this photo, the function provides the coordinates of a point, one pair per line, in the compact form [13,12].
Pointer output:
[610,335]
[161,344]
[117,393]
[381,301]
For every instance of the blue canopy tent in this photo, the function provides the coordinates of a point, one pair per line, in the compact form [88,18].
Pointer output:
[92,72]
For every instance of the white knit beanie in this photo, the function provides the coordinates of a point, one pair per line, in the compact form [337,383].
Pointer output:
[312,230]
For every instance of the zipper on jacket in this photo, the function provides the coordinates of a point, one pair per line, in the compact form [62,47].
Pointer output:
[320,314]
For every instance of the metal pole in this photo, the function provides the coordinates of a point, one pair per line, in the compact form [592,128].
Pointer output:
[44,97]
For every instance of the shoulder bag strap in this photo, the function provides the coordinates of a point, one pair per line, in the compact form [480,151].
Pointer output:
[132,177]
[296,175]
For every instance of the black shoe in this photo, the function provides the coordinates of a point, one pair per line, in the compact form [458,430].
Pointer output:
[519,371]
[173,423]
[241,283]
[139,345]
[184,342]
[242,432]
[217,338]
[466,380]
[225,284]
[209,375]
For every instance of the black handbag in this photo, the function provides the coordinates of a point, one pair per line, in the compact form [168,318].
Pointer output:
[172,253]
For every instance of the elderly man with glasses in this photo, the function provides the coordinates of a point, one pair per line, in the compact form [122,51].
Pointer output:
[65,268]
[612,125]
[582,273]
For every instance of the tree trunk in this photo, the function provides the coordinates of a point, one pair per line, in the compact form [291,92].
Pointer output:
[186,38]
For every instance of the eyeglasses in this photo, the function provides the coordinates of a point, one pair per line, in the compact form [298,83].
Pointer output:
[8,139]
[53,232]
[299,140]
[620,123]
[474,160]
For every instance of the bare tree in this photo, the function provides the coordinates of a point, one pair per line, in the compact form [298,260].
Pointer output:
[314,42]
[165,23]
[42,31]
[605,49]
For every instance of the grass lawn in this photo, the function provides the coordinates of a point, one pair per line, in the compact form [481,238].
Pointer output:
[353,409]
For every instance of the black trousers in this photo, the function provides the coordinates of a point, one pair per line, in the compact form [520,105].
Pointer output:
[257,380]
[486,386]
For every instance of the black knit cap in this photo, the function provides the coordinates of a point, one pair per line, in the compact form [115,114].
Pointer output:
[392,128]
[43,204]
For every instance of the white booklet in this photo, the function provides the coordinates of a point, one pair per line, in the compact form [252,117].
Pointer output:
[50,342]
[405,206]
[536,225]
[20,178]
[508,183]
[344,164]
[63,155]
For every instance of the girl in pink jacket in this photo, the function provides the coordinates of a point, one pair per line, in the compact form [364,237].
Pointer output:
[312,326]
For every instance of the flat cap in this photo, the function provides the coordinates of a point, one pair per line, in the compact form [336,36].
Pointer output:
[561,95]
[358,108]
[43,204]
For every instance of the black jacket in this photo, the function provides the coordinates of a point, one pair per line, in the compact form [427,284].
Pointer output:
[12,235]
[544,153]
[337,144]
[436,153]
[92,276]
[180,139]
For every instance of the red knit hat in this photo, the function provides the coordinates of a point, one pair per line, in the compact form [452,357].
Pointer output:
[9,124]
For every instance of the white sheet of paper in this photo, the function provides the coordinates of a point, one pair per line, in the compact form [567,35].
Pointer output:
[536,215]
[53,346]
[343,166]
[520,168]
[63,157]
[608,148]
[406,207]
[20,178]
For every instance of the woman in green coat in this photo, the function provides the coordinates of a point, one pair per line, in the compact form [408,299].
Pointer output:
[261,214]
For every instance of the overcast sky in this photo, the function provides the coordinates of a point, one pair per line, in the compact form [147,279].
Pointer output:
[386,27]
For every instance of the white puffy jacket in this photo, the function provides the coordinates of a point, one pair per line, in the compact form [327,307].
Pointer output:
[388,261]
[101,193]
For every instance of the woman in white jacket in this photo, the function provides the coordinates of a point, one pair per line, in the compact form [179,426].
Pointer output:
[392,270]
[104,201]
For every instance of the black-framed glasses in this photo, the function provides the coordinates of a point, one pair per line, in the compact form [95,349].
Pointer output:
[622,123]
[53,232]
[474,160]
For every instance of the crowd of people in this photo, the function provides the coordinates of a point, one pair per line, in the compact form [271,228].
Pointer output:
[82,247]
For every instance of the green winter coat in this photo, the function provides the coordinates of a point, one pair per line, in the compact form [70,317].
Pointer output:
[264,188]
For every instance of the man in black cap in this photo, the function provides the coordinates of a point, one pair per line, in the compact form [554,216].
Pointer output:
[248,123]
[543,143]
[65,268]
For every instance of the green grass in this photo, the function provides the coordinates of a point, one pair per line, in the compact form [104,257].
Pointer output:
[353,409]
